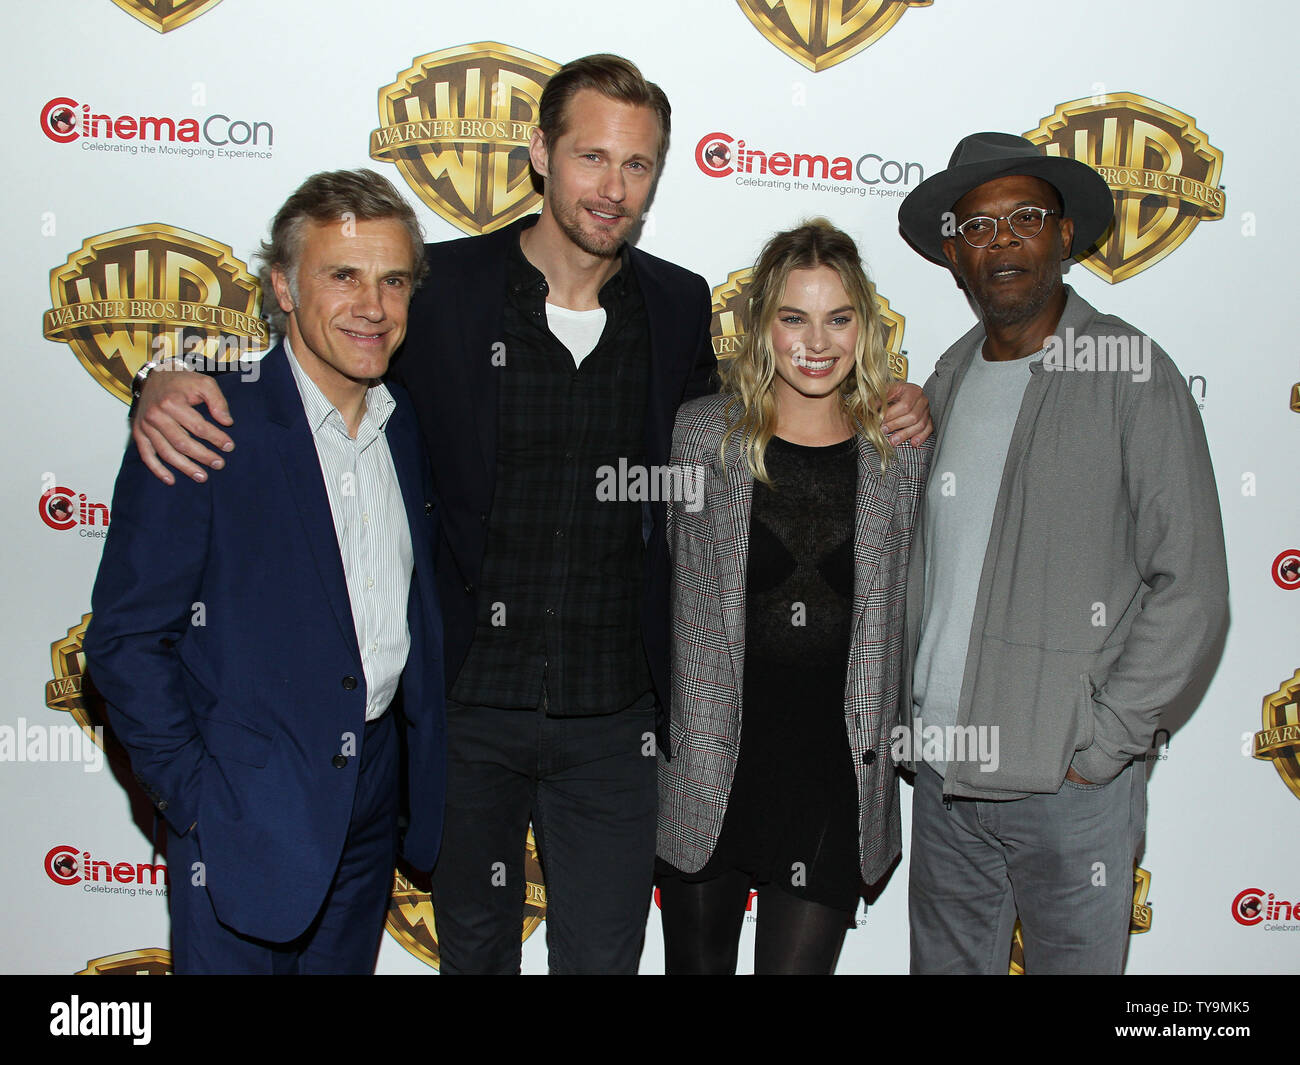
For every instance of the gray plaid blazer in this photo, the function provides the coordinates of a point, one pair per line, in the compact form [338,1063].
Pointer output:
[709,548]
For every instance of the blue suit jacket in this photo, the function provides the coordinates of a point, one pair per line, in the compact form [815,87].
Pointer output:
[224,645]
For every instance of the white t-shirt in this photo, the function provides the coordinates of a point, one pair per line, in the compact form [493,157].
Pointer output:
[579,331]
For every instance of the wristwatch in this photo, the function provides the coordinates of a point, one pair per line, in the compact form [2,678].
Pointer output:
[137,382]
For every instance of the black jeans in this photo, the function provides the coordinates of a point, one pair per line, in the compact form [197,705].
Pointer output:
[588,784]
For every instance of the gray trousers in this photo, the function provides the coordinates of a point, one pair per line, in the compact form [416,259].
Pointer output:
[1062,862]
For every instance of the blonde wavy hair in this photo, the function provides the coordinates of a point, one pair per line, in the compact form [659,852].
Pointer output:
[748,378]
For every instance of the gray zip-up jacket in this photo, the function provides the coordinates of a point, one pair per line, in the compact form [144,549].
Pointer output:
[1104,579]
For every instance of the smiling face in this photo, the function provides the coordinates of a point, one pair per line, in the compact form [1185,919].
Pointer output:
[348,314]
[1014,280]
[814,337]
[599,172]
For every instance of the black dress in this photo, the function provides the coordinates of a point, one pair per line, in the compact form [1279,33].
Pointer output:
[792,815]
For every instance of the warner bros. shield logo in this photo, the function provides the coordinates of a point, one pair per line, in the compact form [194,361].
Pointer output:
[456,124]
[820,33]
[149,961]
[152,291]
[1162,171]
[166,15]
[1279,740]
[731,312]
[72,691]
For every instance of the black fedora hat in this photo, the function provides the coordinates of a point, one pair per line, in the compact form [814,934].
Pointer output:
[1085,197]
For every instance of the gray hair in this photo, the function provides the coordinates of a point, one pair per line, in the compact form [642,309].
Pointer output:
[331,196]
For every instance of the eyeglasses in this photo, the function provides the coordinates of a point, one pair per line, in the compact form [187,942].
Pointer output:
[1024,222]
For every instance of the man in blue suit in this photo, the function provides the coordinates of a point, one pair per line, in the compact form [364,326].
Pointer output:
[251,634]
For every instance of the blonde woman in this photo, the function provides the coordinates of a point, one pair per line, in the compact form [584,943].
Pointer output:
[787,613]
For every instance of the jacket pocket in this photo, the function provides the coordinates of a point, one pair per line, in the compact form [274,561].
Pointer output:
[236,741]
[1038,703]
[1086,725]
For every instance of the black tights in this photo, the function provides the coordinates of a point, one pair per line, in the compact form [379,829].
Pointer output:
[702,925]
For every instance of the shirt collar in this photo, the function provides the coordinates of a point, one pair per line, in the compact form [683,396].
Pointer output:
[524,276]
[379,401]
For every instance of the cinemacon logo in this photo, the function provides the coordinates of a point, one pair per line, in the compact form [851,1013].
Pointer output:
[1254,905]
[64,120]
[69,865]
[721,155]
[62,509]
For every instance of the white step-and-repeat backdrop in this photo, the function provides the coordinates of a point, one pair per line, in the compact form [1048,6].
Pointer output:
[150,141]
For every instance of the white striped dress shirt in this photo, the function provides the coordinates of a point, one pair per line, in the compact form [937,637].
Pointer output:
[370,524]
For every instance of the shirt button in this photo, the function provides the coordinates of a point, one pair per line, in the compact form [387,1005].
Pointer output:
[339,761]
[349,683]
[370,582]
[550,613]
[559,532]
[365,518]
[162,805]
[868,757]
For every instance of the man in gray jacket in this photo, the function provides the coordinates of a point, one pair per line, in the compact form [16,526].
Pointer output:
[1067,576]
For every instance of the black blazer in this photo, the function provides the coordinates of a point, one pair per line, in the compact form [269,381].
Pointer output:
[455,328]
